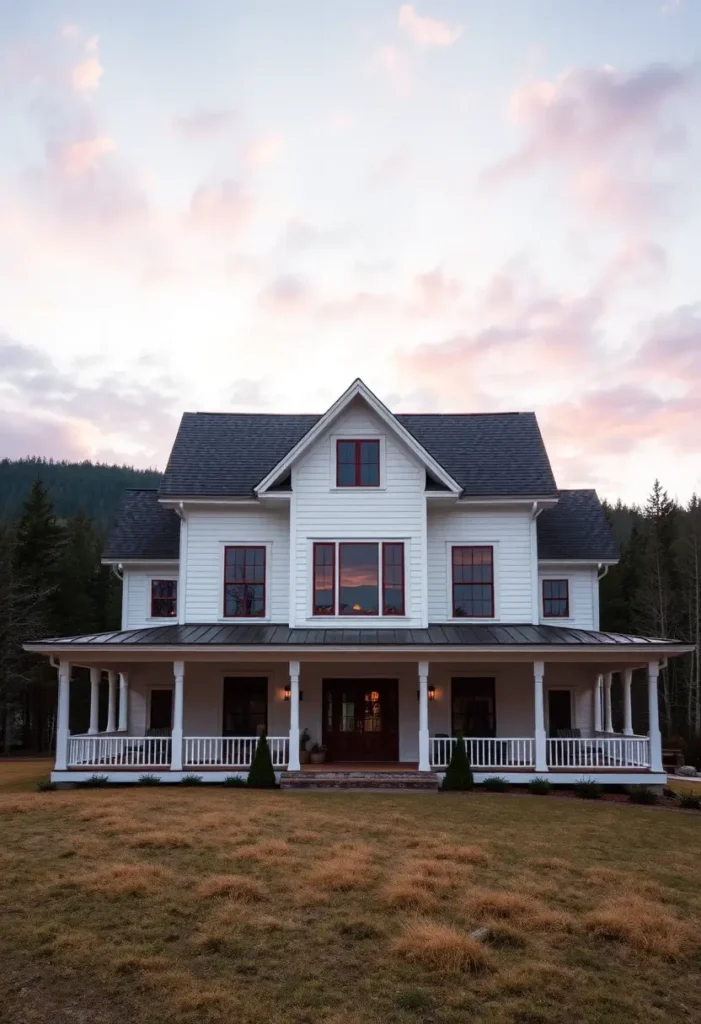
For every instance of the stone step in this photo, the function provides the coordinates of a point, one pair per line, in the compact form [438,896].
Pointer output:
[359,780]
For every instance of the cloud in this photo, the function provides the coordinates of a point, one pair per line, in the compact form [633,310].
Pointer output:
[286,294]
[204,123]
[248,393]
[394,65]
[671,349]
[224,208]
[76,159]
[86,75]
[427,31]
[264,150]
[71,32]
[392,167]
[434,291]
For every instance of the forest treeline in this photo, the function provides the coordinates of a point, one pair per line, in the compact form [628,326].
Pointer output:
[53,526]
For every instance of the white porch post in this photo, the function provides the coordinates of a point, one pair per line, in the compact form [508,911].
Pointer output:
[653,670]
[112,702]
[62,731]
[541,759]
[598,690]
[176,740]
[95,674]
[608,718]
[293,764]
[627,678]
[424,758]
[123,702]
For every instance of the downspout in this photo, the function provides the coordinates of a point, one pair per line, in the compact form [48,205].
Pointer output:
[602,570]
[118,571]
[182,563]
[535,595]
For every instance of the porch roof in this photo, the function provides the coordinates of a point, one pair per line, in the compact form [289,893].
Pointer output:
[476,636]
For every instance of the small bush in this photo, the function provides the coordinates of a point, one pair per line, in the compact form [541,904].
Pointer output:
[540,786]
[148,780]
[495,784]
[191,780]
[587,789]
[642,795]
[690,800]
[414,999]
[45,786]
[95,781]
[262,774]
[669,793]
[234,780]
[458,774]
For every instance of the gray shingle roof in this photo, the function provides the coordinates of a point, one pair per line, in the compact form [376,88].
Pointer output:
[576,528]
[469,634]
[143,528]
[228,454]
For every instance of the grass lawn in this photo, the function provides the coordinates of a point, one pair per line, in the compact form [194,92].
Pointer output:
[208,905]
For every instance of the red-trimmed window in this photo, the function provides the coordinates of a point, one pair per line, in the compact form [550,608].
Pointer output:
[244,582]
[357,463]
[473,582]
[324,579]
[358,579]
[556,599]
[392,579]
[164,599]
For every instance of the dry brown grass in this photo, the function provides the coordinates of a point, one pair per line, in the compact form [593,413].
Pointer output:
[268,850]
[346,866]
[642,925]
[166,839]
[126,879]
[461,854]
[441,948]
[236,887]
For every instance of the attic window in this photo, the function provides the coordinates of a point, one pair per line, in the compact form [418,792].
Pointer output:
[357,463]
[164,599]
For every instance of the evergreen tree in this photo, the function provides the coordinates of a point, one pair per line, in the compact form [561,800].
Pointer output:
[261,774]
[458,774]
[76,600]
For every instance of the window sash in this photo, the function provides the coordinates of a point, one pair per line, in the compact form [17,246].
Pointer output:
[357,463]
[344,546]
[324,566]
[164,599]
[244,582]
[392,577]
[556,599]
[473,581]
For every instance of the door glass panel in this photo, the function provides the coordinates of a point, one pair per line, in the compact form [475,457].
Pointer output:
[373,712]
[347,723]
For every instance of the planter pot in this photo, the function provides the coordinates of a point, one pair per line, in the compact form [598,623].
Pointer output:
[304,756]
[318,758]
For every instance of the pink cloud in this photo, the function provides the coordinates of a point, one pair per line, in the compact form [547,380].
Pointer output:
[203,122]
[76,159]
[427,31]
[671,349]
[434,291]
[86,75]
[395,67]
[286,294]
[223,208]
[264,150]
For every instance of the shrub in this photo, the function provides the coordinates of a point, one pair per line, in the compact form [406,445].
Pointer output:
[45,785]
[587,789]
[540,786]
[261,774]
[234,780]
[191,780]
[95,781]
[642,795]
[458,774]
[690,800]
[148,780]
[495,784]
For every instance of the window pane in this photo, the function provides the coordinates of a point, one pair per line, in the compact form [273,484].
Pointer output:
[473,582]
[555,598]
[393,579]
[323,579]
[346,475]
[346,453]
[358,579]
[369,463]
[164,599]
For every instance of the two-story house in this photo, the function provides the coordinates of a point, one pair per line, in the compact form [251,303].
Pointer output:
[379,581]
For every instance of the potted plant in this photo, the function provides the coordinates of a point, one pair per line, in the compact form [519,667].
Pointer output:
[303,752]
[318,753]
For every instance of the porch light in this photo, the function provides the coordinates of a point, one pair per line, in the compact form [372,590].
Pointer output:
[431,690]
[287,692]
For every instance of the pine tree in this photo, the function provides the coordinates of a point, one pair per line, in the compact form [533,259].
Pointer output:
[75,602]
[261,774]
[458,774]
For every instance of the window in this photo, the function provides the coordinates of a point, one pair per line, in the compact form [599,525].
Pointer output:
[392,579]
[244,582]
[324,579]
[245,706]
[164,599]
[358,579]
[473,582]
[473,707]
[556,599]
[357,463]
[160,713]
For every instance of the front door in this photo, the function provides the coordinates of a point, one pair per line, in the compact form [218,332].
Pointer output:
[245,706]
[160,720]
[559,711]
[361,720]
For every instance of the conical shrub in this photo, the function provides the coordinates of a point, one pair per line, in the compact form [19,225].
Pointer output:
[458,774]
[261,774]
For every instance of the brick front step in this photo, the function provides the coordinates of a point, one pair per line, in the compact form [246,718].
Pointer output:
[359,780]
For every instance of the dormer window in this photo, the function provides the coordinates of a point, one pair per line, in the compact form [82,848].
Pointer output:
[357,463]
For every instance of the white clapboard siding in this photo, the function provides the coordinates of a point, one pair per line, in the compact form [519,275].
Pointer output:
[209,531]
[136,596]
[582,589]
[509,532]
[395,511]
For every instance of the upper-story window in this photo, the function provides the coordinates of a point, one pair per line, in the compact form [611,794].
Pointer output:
[473,582]
[556,599]
[164,599]
[358,578]
[357,463]
[244,582]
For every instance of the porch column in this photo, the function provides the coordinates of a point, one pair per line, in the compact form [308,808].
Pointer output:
[598,692]
[653,670]
[95,675]
[176,736]
[62,731]
[541,758]
[123,702]
[112,702]
[627,678]
[424,757]
[608,719]
[293,756]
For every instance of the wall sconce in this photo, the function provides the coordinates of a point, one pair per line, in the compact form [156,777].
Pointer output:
[431,693]
[287,692]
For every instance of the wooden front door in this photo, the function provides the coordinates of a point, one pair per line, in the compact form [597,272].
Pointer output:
[559,711]
[361,720]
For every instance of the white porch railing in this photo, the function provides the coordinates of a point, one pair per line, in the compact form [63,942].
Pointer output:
[488,752]
[599,752]
[119,751]
[231,751]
